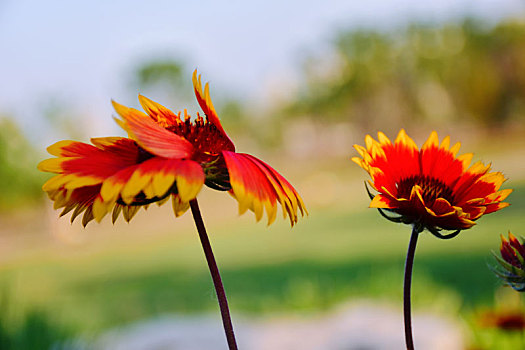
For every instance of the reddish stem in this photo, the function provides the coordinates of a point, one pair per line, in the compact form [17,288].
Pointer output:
[409,263]
[215,275]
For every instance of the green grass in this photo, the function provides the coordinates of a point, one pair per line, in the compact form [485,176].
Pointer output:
[328,258]
[30,329]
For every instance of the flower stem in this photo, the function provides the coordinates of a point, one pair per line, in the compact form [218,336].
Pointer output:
[215,275]
[409,263]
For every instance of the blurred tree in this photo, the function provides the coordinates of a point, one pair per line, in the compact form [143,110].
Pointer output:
[64,118]
[233,116]
[487,78]
[163,71]
[469,71]
[163,79]
[19,179]
[33,329]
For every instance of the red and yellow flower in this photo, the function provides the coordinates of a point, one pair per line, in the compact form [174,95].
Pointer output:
[511,263]
[432,187]
[505,320]
[164,156]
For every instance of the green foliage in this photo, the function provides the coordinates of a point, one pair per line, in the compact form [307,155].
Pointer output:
[334,256]
[34,330]
[469,71]
[293,286]
[494,339]
[491,337]
[163,79]
[163,71]
[19,179]
[233,116]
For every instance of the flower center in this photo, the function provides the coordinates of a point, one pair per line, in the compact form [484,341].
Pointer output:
[203,135]
[432,188]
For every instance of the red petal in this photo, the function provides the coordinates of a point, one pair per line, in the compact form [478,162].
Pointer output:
[90,161]
[152,137]
[490,208]
[154,178]
[440,164]
[256,185]
[383,202]
[396,161]
[162,115]
[204,100]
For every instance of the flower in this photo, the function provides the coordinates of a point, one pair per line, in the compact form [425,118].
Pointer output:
[512,262]
[164,156]
[508,320]
[431,188]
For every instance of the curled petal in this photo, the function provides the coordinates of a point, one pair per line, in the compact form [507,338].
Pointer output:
[257,186]
[204,100]
[162,115]
[151,136]
[154,179]
[79,200]
[179,206]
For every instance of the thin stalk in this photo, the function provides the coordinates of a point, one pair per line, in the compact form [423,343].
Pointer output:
[409,263]
[215,275]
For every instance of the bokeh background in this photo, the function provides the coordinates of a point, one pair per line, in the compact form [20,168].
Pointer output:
[296,83]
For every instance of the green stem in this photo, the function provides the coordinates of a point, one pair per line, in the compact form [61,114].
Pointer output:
[215,275]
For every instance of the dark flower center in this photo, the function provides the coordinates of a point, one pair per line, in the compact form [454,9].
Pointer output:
[432,188]
[143,155]
[203,135]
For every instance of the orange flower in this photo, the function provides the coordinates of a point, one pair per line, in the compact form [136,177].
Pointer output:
[164,156]
[509,320]
[431,188]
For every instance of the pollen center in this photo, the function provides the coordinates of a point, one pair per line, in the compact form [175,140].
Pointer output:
[203,135]
[432,188]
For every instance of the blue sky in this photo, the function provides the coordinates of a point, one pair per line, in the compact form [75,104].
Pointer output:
[83,51]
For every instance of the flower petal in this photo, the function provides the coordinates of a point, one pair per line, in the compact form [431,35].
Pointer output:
[155,177]
[162,115]
[382,202]
[151,136]
[86,165]
[257,186]
[204,100]
[179,207]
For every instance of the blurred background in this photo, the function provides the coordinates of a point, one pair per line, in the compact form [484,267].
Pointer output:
[296,84]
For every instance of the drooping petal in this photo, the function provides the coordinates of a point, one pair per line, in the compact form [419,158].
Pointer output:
[116,175]
[179,206]
[80,200]
[154,179]
[163,157]
[257,186]
[127,211]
